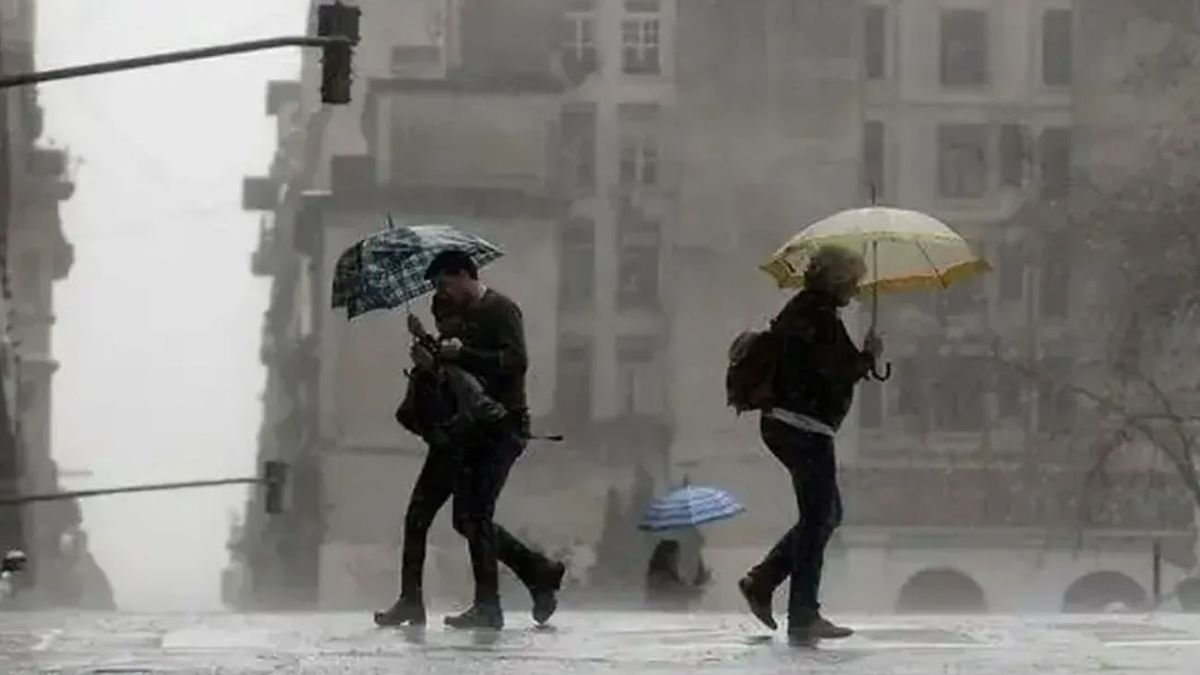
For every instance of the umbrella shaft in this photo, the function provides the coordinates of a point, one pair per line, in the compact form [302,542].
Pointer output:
[875,286]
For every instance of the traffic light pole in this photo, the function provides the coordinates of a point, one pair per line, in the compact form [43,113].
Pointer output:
[274,478]
[59,496]
[8,81]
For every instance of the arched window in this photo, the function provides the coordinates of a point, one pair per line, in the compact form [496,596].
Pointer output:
[941,590]
[1098,591]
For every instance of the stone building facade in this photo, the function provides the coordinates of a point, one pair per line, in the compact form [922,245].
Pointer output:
[639,158]
[33,181]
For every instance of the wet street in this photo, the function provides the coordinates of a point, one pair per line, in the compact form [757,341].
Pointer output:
[592,642]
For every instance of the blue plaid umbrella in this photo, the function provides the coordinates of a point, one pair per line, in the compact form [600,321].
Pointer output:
[690,506]
[387,269]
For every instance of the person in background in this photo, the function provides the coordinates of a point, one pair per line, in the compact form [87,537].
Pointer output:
[665,587]
[11,565]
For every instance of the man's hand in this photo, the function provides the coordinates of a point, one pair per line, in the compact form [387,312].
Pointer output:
[415,327]
[451,348]
[873,344]
[421,356]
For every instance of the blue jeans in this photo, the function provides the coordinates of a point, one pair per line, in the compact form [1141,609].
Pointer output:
[800,554]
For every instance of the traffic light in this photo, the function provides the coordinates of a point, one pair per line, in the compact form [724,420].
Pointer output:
[337,20]
[275,481]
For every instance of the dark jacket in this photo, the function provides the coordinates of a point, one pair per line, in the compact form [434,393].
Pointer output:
[493,339]
[818,363]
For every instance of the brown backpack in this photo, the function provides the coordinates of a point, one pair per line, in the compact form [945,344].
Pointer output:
[750,375]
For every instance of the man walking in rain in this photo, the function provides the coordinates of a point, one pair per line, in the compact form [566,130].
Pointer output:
[442,405]
[816,366]
[492,348]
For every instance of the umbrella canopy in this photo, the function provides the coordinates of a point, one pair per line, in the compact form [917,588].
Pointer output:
[387,269]
[690,506]
[904,250]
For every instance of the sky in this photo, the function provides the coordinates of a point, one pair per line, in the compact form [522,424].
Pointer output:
[159,322]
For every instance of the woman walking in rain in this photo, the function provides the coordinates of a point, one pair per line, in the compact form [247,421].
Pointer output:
[815,369]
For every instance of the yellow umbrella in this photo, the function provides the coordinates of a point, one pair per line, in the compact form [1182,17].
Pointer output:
[904,250]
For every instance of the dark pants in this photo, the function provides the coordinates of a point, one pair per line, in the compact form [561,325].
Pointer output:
[801,552]
[485,467]
[432,490]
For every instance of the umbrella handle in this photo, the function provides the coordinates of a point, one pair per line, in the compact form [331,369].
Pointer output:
[885,375]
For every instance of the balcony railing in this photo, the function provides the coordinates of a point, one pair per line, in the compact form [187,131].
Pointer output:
[47,162]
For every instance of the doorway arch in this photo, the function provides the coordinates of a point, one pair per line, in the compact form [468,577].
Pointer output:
[941,590]
[1097,591]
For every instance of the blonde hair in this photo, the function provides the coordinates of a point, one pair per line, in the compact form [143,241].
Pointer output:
[831,266]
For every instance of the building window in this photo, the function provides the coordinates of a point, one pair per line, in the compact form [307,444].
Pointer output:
[579,42]
[638,263]
[1057,48]
[30,272]
[910,387]
[579,147]
[911,395]
[639,376]
[639,160]
[640,38]
[578,274]
[1056,401]
[1055,150]
[958,396]
[1011,273]
[406,58]
[873,158]
[962,161]
[962,298]
[964,47]
[573,392]
[1014,154]
[1009,386]
[639,145]
[870,405]
[875,41]
[1054,293]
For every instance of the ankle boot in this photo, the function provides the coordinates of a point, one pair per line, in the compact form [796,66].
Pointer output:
[759,600]
[545,592]
[481,615]
[406,611]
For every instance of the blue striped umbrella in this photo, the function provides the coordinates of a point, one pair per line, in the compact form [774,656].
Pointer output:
[690,506]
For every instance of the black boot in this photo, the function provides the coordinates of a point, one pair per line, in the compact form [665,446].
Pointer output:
[803,628]
[481,615]
[828,630]
[759,600]
[405,612]
[544,591]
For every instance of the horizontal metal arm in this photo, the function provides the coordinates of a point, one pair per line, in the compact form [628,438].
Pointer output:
[58,496]
[7,81]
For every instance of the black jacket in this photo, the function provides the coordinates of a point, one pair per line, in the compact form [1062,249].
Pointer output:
[818,363]
[494,349]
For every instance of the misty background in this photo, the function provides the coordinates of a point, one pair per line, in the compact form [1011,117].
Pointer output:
[160,317]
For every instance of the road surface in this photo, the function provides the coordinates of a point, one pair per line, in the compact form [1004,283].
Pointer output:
[594,642]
